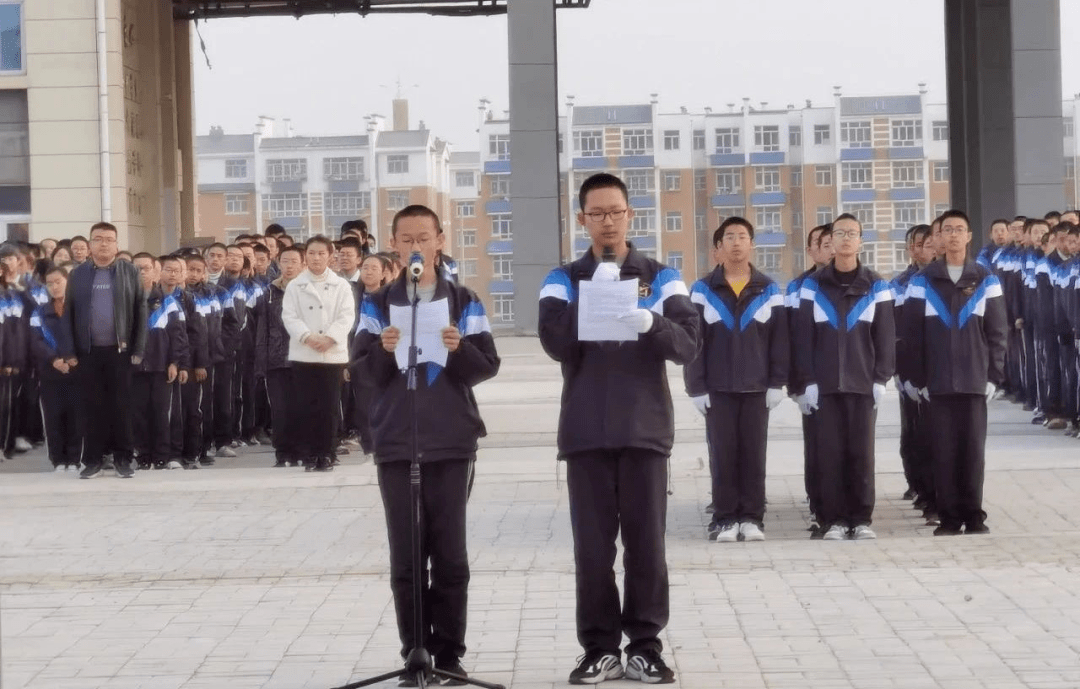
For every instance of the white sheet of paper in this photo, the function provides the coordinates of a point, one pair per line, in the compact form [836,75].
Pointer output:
[599,307]
[431,318]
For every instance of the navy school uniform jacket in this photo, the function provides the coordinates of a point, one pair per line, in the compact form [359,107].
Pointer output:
[272,339]
[846,336]
[222,330]
[195,322]
[957,331]
[615,394]
[899,288]
[744,339]
[448,417]
[166,338]
[50,334]
[16,327]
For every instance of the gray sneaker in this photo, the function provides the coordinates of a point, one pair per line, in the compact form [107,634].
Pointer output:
[835,533]
[593,668]
[863,532]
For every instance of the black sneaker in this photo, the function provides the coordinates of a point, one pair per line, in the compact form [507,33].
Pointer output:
[976,528]
[454,668]
[124,470]
[649,667]
[593,668]
[323,464]
[909,494]
[947,531]
[90,472]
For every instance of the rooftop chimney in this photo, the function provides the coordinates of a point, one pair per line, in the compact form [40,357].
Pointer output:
[401,115]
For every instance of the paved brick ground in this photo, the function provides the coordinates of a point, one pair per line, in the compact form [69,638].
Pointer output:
[250,577]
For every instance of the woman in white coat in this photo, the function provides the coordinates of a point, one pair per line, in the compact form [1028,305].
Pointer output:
[318,310]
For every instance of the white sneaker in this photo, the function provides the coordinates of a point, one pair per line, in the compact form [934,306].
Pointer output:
[73,468]
[835,533]
[751,532]
[729,533]
[23,445]
[863,532]
[173,464]
[60,468]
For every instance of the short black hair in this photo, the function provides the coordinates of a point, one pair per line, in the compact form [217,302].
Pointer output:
[1053,215]
[999,221]
[353,225]
[922,231]
[601,180]
[144,254]
[955,213]
[320,239]
[1068,227]
[215,245]
[274,229]
[351,243]
[1024,218]
[261,248]
[822,229]
[848,216]
[80,238]
[1032,222]
[53,268]
[295,249]
[718,236]
[195,258]
[106,226]
[415,211]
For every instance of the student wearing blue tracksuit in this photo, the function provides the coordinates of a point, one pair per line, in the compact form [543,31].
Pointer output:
[737,378]
[954,319]
[50,334]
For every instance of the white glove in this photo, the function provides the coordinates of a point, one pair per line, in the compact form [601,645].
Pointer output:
[898,383]
[910,391]
[606,272]
[879,392]
[640,320]
[773,397]
[990,390]
[701,403]
[808,401]
[924,393]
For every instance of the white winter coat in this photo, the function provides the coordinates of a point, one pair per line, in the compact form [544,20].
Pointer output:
[323,308]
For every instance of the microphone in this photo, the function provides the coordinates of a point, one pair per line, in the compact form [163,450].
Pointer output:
[416,265]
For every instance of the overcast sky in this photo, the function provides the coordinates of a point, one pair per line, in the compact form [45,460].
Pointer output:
[327,72]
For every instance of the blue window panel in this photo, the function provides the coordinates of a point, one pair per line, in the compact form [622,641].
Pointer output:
[857,195]
[11,38]
[287,187]
[907,194]
[500,206]
[597,163]
[644,242]
[643,202]
[494,167]
[856,154]
[870,236]
[768,198]
[770,239]
[636,161]
[290,223]
[767,158]
[343,185]
[501,287]
[728,200]
[336,221]
[898,235]
[727,159]
[906,153]
[501,246]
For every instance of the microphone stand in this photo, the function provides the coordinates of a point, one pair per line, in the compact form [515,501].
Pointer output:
[418,664]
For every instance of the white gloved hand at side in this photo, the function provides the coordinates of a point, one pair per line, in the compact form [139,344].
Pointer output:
[606,272]
[701,403]
[808,401]
[911,392]
[640,320]
[773,397]
[879,392]
[990,390]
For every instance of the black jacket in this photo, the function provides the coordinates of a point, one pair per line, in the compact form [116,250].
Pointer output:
[17,309]
[129,307]
[846,337]
[448,417]
[166,339]
[50,334]
[271,339]
[615,394]
[222,328]
[745,344]
[956,331]
[198,352]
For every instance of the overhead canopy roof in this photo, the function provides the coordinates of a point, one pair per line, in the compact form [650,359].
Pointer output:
[209,9]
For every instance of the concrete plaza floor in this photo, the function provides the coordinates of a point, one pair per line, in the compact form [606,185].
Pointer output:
[244,576]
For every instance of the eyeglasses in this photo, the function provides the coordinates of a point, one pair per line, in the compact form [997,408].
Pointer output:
[104,240]
[840,234]
[424,240]
[953,230]
[598,216]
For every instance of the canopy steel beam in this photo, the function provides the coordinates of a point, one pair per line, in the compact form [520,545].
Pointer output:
[220,9]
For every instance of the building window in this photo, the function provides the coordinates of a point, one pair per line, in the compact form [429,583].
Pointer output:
[767,178]
[823,175]
[906,133]
[725,212]
[502,307]
[674,260]
[857,175]
[671,140]
[643,224]
[855,134]
[940,130]
[589,143]
[941,171]
[796,177]
[501,226]
[727,140]
[466,209]
[824,215]
[906,214]
[794,137]
[1070,169]
[673,222]
[343,168]
[940,208]
[863,212]
[397,164]
[639,182]
[767,137]
[907,174]
[464,178]
[499,146]
[396,199]
[286,170]
[729,180]
[700,180]
[767,218]
[233,233]
[500,185]
[236,204]
[796,221]
[637,142]
[1068,127]
[868,255]
[467,268]
[342,203]
[699,221]
[234,169]
[502,266]
[769,259]
[672,180]
[699,139]
[822,134]
[284,205]
[11,46]
[467,238]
